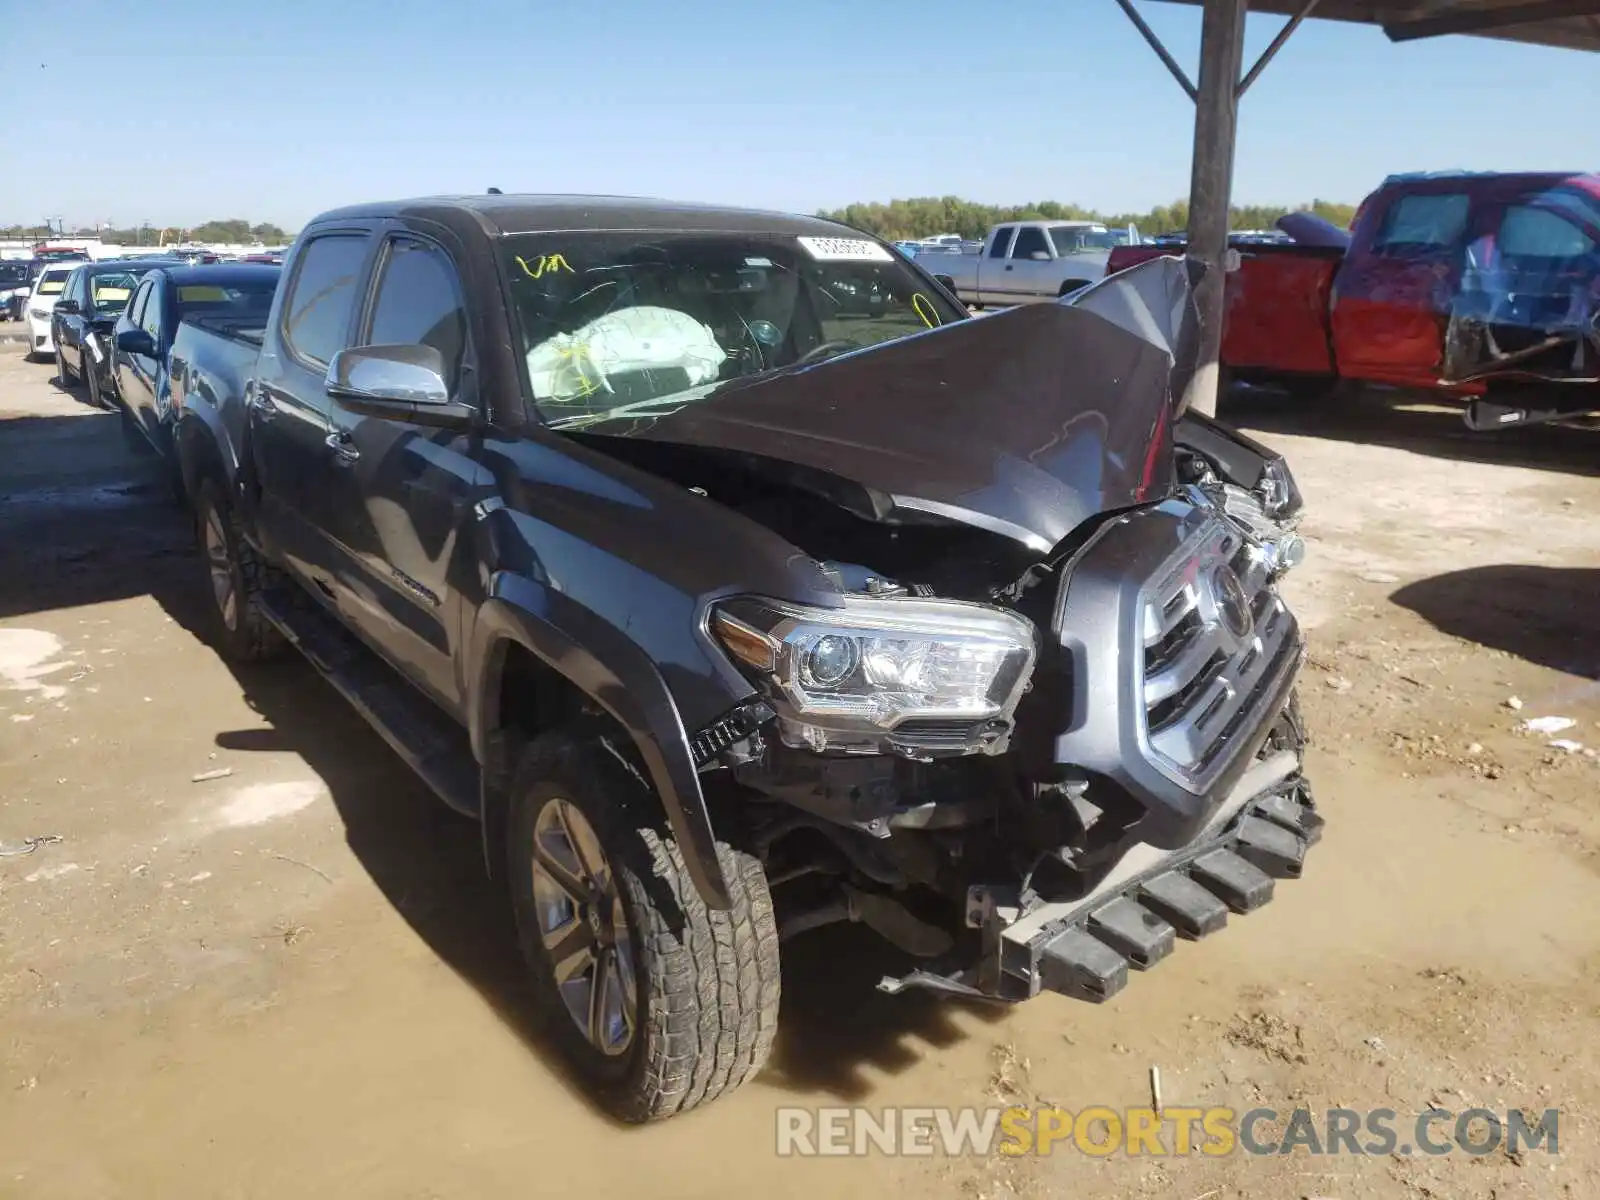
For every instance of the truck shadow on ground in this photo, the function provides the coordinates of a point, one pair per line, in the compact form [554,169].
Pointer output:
[1402,423]
[1544,615]
[835,1030]
[103,530]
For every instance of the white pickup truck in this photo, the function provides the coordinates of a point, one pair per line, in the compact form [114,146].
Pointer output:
[1026,261]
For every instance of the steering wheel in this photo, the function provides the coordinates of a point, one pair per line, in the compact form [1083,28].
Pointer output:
[824,349]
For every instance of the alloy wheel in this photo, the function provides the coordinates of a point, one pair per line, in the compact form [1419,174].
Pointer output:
[220,563]
[584,927]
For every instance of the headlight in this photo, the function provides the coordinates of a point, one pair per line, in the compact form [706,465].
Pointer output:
[40,314]
[1279,493]
[909,675]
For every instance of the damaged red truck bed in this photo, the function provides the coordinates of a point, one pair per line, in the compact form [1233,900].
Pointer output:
[1483,287]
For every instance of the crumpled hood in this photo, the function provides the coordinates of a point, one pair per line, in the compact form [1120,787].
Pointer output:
[1026,423]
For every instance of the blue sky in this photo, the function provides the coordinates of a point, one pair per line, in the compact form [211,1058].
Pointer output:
[177,111]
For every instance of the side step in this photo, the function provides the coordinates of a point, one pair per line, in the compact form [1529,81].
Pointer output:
[433,745]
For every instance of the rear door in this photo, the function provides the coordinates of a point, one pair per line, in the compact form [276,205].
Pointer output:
[290,423]
[402,493]
[992,266]
[1392,297]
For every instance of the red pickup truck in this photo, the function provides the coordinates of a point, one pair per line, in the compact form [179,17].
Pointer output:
[1477,286]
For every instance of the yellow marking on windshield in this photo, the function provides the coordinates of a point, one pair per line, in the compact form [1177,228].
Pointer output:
[544,264]
[111,293]
[577,355]
[924,308]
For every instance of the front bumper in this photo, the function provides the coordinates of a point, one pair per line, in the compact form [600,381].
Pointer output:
[1133,917]
[40,339]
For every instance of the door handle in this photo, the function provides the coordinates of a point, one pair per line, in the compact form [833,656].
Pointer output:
[1008,266]
[344,449]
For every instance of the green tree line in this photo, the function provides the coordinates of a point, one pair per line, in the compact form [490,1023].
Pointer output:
[927,215]
[234,229]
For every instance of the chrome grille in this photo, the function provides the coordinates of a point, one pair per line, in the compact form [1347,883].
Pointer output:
[1213,629]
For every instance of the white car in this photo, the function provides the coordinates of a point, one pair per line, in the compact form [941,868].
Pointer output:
[47,288]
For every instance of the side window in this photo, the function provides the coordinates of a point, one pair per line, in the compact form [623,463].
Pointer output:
[419,301]
[1528,232]
[150,315]
[317,309]
[1029,239]
[1426,221]
[136,305]
[1002,241]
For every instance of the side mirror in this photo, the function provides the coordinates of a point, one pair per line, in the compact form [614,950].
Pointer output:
[67,306]
[403,382]
[1040,256]
[136,341]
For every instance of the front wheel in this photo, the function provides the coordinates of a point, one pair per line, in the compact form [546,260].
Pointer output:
[659,1003]
[97,397]
[63,376]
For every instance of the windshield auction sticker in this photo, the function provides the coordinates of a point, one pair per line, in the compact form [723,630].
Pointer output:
[825,249]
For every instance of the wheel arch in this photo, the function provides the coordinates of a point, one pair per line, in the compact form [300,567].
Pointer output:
[199,453]
[529,635]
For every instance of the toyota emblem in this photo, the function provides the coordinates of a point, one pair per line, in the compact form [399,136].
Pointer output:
[1232,604]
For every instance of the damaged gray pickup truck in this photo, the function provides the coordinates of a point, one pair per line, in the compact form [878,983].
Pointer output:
[739,583]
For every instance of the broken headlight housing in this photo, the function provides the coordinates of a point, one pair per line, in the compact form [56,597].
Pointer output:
[911,676]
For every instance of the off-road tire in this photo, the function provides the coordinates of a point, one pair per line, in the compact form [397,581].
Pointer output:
[706,981]
[251,637]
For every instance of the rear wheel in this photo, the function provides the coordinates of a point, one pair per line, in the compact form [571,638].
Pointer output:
[659,1003]
[237,577]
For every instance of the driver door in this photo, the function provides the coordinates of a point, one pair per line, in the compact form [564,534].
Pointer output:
[1026,277]
[401,494]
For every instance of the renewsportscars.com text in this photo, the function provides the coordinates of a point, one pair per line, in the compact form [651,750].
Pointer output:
[1146,1132]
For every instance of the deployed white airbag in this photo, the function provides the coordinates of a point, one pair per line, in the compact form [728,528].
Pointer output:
[570,366]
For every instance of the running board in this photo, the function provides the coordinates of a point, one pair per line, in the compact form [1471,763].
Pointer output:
[432,745]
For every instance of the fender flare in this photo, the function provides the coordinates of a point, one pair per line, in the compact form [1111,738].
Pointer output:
[612,670]
[198,451]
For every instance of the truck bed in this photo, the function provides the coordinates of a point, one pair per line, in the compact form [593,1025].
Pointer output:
[1278,305]
[252,331]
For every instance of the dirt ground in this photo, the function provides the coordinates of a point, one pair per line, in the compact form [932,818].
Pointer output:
[292,980]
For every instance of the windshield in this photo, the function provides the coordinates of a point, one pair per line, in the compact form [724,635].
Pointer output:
[111,291]
[52,283]
[616,319]
[13,273]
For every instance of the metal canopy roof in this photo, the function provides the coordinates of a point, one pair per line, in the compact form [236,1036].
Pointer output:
[1571,24]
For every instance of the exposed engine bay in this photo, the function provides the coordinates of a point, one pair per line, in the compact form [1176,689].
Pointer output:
[1041,719]
[910,822]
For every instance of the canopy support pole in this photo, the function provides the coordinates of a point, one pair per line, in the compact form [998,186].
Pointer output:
[1210,183]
